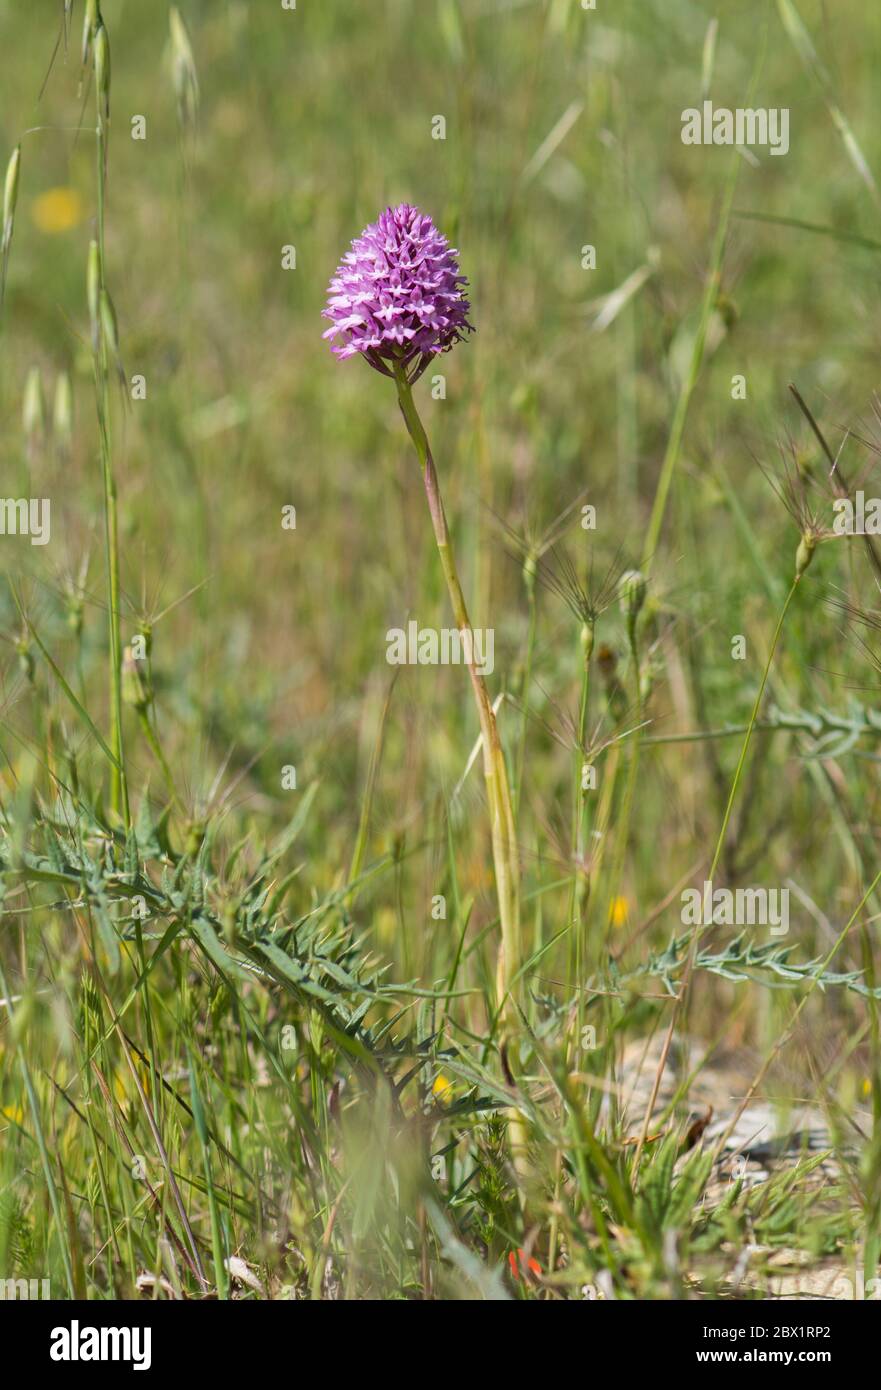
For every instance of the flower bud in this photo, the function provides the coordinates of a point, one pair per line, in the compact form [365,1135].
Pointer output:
[135,691]
[805,553]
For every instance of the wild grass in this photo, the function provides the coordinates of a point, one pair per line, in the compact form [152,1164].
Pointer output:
[254,1041]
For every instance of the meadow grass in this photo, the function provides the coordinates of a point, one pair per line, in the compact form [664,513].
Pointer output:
[255,1037]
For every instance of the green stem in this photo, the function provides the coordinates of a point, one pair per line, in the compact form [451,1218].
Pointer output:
[623,836]
[119,787]
[579,878]
[527,681]
[504,845]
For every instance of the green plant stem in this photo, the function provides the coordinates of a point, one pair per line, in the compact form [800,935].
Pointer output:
[623,834]
[111,534]
[504,844]
[119,786]
[578,875]
[527,681]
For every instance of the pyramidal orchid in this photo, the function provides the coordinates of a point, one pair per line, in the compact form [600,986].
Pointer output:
[398,300]
[397,296]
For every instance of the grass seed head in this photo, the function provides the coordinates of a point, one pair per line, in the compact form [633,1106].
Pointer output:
[586,599]
[102,71]
[530,543]
[33,411]
[62,413]
[10,194]
[91,20]
[110,330]
[10,198]
[186,78]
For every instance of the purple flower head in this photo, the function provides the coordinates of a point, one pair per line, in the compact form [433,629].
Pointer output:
[398,294]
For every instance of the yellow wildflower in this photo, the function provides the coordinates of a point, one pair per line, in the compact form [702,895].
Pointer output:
[442,1090]
[619,912]
[57,210]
